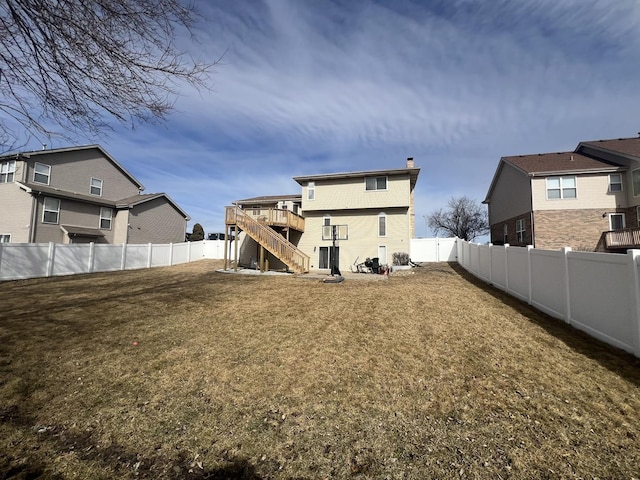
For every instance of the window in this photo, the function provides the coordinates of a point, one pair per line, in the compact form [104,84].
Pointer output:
[375,183]
[615,182]
[51,213]
[7,171]
[5,238]
[638,215]
[382,225]
[635,177]
[326,220]
[311,191]
[505,234]
[105,218]
[520,230]
[96,187]
[616,221]
[42,173]
[561,187]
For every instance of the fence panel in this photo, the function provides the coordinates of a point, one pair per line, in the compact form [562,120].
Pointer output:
[23,260]
[180,253]
[518,272]
[599,296]
[70,259]
[137,256]
[160,255]
[107,258]
[499,266]
[484,262]
[548,282]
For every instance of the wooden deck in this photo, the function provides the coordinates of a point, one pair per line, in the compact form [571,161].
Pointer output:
[622,239]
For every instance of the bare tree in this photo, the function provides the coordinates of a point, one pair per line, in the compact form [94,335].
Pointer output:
[464,218]
[73,65]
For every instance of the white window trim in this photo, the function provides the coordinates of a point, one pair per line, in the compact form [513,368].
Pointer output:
[103,217]
[380,216]
[35,172]
[45,210]
[619,175]
[9,170]
[376,189]
[5,238]
[521,230]
[92,186]
[560,177]
[617,214]
[324,220]
[311,191]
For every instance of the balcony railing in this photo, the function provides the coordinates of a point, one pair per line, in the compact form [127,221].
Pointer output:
[621,239]
[276,217]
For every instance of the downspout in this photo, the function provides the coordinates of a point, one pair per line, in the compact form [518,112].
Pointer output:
[34,211]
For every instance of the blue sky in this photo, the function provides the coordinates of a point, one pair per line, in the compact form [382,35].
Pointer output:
[318,86]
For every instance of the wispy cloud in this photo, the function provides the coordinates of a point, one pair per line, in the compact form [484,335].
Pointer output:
[313,87]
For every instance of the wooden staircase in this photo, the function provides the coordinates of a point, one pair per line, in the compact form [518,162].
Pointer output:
[280,247]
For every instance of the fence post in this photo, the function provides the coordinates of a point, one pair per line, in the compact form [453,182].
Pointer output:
[51,258]
[123,258]
[91,255]
[149,254]
[506,267]
[529,275]
[490,263]
[171,253]
[634,282]
[567,291]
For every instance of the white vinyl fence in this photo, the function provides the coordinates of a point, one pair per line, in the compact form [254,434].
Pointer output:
[598,293]
[433,250]
[29,260]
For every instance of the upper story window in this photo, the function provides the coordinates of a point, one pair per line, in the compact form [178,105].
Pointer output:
[96,187]
[106,214]
[615,182]
[635,177]
[382,225]
[520,230]
[7,171]
[505,234]
[561,187]
[5,238]
[41,173]
[375,183]
[51,211]
[311,191]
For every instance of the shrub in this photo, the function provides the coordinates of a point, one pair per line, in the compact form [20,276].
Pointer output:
[401,258]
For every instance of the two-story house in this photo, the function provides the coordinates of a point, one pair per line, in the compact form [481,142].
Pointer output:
[80,195]
[586,199]
[339,217]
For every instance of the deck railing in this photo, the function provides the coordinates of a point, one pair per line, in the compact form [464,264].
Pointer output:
[625,238]
[277,217]
[275,243]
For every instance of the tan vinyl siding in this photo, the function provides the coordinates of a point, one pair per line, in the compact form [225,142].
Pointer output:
[156,221]
[120,226]
[592,192]
[72,171]
[363,238]
[511,195]
[16,215]
[350,194]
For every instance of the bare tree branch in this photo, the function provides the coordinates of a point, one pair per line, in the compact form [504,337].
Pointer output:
[70,65]
[463,218]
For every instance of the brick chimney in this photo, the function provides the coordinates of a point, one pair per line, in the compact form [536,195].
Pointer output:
[410,162]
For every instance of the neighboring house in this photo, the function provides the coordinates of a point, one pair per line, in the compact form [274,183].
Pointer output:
[367,214]
[587,199]
[81,195]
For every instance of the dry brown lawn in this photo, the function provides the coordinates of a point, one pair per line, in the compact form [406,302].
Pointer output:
[431,375]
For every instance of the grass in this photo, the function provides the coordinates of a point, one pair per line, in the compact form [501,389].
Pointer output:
[431,375]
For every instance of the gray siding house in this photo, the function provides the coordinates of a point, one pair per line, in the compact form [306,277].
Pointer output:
[81,195]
